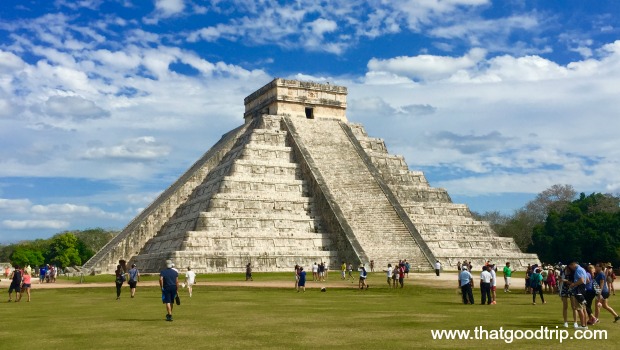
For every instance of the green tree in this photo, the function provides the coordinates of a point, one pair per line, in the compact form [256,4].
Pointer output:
[63,250]
[22,256]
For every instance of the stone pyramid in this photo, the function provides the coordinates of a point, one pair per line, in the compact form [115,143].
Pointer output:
[298,184]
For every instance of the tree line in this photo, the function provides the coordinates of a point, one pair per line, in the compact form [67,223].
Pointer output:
[69,248]
[559,224]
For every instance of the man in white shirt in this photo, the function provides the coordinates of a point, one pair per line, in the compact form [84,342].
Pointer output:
[437,267]
[190,279]
[485,285]
[493,283]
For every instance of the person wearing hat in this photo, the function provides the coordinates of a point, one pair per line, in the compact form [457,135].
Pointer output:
[169,284]
[134,278]
[466,281]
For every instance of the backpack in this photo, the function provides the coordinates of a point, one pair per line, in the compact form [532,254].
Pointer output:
[535,280]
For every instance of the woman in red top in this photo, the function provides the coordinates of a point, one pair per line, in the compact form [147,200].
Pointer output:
[26,285]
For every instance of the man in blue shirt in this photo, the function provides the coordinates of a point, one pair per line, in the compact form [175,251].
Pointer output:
[465,282]
[579,288]
[169,283]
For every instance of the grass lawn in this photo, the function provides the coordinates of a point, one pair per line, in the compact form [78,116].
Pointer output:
[240,317]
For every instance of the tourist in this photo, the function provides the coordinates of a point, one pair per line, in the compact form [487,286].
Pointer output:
[407,268]
[578,286]
[42,272]
[7,271]
[322,271]
[536,284]
[551,280]
[601,279]
[26,284]
[363,275]
[493,284]
[590,293]
[119,280]
[437,267]
[458,266]
[190,280]
[248,272]
[296,275]
[544,273]
[169,284]
[528,273]
[350,271]
[466,282]
[402,271]
[343,271]
[372,266]
[134,278]
[507,275]
[610,277]
[315,272]
[485,286]
[16,283]
[389,275]
[395,276]
[301,284]
[566,294]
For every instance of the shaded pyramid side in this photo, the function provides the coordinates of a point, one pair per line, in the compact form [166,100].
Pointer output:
[449,229]
[151,220]
[254,207]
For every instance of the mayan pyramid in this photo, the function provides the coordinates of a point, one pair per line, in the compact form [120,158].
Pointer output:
[298,184]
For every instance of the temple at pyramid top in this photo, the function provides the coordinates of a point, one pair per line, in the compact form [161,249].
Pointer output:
[297,99]
[297,184]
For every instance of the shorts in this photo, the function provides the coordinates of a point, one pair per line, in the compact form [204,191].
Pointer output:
[362,279]
[507,280]
[133,284]
[302,284]
[494,288]
[605,295]
[389,279]
[579,302]
[15,287]
[25,286]
[168,294]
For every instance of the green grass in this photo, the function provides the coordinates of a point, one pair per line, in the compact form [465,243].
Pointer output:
[239,317]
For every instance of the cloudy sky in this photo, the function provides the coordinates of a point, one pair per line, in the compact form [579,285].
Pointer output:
[103,104]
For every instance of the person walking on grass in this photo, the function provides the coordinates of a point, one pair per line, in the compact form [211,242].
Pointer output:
[315,272]
[401,274]
[16,280]
[485,285]
[389,275]
[26,284]
[190,279]
[578,286]
[301,284]
[493,284]
[437,267]
[169,284]
[248,272]
[536,280]
[134,278]
[363,275]
[343,271]
[566,294]
[507,275]
[466,281]
[602,299]
[296,275]
[119,280]
[610,276]
[350,271]
[395,275]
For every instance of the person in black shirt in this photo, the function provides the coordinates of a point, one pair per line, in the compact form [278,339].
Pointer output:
[169,284]
[16,281]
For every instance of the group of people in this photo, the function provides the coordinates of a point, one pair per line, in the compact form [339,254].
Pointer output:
[319,271]
[488,283]
[396,274]
[21,280]
[578,286]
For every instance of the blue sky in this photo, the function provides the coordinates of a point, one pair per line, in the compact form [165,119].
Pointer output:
[103,104]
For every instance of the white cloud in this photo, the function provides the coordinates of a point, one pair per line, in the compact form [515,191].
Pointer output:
[169,7]
[74,107]
[141,148]
[15,205]
[35,224]
[425,67]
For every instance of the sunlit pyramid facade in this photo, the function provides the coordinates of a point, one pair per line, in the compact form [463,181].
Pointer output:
[297,184]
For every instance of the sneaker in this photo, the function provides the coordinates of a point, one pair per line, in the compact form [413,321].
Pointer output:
[565,324]
[575,325]
[168,317]
[616,319]
[533,303]
[597,321]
